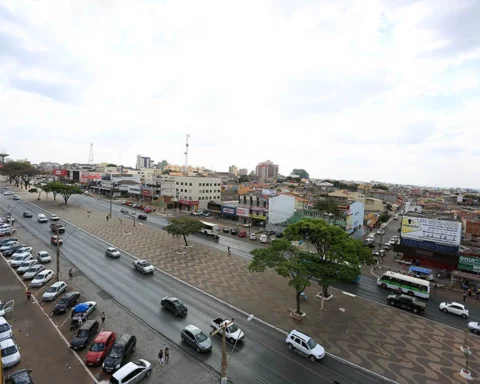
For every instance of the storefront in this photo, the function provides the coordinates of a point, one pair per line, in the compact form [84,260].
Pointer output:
[258,216]
[229,213]
[469,263]
[214,207]
[147,195]
[187,205]
[243,214]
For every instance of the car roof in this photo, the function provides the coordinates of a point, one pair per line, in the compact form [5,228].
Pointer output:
[57,283]
[88,324]
[69,294]
[455,303]
[6,343]
[43,253]
[125,370]
[3,321]
[103,337]
[194,329]
[122,340]
[300,334]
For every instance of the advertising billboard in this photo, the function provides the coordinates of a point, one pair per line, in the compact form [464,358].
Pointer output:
[243,211]
[467,263]
[228,210]
[60,172]
[134,190]
[269,192]
[90,176]
[438,231]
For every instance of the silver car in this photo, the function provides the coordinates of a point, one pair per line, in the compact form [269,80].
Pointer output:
[17,260]
[33,271]
[10,353]
[54,291]
[112,252]
[26,265]
[43,257]
[132,373]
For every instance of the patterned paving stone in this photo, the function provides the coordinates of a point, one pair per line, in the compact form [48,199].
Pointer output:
[390,342]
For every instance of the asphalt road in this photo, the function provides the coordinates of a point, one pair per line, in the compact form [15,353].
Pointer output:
[262,358]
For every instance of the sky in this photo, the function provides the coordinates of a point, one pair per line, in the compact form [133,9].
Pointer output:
[354,90]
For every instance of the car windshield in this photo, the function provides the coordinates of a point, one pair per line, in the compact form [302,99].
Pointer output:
[25,264]
[178,303]
[116,352]
[32,270]
[200,337]
[144,264]
[98,347]
[9,351]
[52,289]
[82,333]
[233,328]
[4,328]
[43,254]
[18,258]
[40,276]
[311,343]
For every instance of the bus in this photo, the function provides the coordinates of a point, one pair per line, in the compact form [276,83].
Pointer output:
[421,273]
[209,228]
[408,284]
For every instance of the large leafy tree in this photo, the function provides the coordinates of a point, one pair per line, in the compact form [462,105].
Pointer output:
[339,256]
[19,173]
[301,172]
[183,226]
[65,190]
[328,205]
[288,261]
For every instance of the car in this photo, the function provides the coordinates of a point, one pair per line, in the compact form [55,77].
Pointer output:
[9,244]
[43,257]
[395,217]
[91,306]
[226,230]
[252,236]
[5,241]
[17,260]
[27,214]
[7,230]
[132,372]
[10,354]
[407,302]
[142,217]
[174,305]
[54,291]
[233,231]
[100,348]
[7,307]
[21,376]
[10,219]
[5,329]
[305,345]
[474,326]
[124,210]
[263,239]
[120,353]
[10,251]
[56,240]
[22,250]
[112,252]
[242,234]
[26,265]
[15,197]
[33,271]
[8,193]
[195,337]
[380,232]
[66,301]
[42,278]
[392,241]
[455,308]
[54,218]
[86,333]
[387,246]
[143,266]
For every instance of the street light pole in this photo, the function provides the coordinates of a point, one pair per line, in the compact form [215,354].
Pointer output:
[111,198]
[58,253]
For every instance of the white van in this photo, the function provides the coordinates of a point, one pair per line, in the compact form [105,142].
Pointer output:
[42,218]
[263,238]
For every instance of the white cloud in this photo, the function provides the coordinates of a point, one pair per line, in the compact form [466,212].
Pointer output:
[344,89]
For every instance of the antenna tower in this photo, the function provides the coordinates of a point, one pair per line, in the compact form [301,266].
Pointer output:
[186,152]
[90,155]
[3,155]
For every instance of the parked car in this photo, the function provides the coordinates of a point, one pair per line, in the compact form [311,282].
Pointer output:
[54,291]
[387,246]
[233,231]
[120,353]
[5,329]
[474,326]
[27,214]
[33,271]
[143,266]
[26,265]
[7,230]
[56,240]
[7,307]
[195,337]
[132,372]
[407,302]
[10,251]
[142,217]
[242,234]
[395,217]
[112,252]
[174,305]
[67,301]
[305,345]
[15,197]
[22,250]
[43,257]
[21,376]
[5,241]
[54,218]
[84,315]
[17,260]
[380,232]
[263,239]
[9,352]
[252,236]
[10,247]
[86,333]
[100,348]
[42,278]
[455,308]
[226,230]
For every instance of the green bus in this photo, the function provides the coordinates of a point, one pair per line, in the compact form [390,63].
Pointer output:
[408,284]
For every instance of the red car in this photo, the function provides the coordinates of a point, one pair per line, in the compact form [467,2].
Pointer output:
[242,234]
[54,240]
[147,209]
[100,348]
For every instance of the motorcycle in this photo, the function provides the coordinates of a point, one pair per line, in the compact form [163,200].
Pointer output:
[216,238]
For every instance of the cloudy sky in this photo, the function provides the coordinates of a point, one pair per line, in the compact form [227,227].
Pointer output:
[356,90]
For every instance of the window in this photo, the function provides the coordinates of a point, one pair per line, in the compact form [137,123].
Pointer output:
[181,183]
[190,184]
[131,375]
[177,182]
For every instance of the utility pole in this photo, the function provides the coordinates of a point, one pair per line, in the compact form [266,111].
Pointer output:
[224,379]
[58,253]
[111,199]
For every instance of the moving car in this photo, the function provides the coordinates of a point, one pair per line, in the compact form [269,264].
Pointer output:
[7,193]
[33,271]
[142,217]
[54,291]
[120,353]
[21,376]
[17,260]
[10,354]
[226,230]
[26,265]
[252,236]
[43,257]
[380,232]
[242,234]
[132,372]
[101,346]
[395,217]
[27,214]
[86,333]
[112,252]
[195,337]
[54,218]
[5,329]
[15,197]
[42,218]
[232,332]
[54,240]
[67,301]
[57,227]
[305,345]
[174,305]
[263,239]
[408,302]
[143,266]
[474,326]
[42,278]
[233,231]
[455,308]
[124,210]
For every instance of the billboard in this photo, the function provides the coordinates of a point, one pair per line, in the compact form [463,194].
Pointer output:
[467,263]
[90,176]
[269,192]
[430,245]
[228,210]
[243,211]
[438,231]
[60,172]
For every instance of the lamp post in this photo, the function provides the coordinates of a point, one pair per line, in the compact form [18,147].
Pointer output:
[57,231]
[11,212]
[111,199]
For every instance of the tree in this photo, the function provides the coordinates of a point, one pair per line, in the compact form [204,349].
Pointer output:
[287,261]
[338,255]
[380,186]
[166,172]
[384,217]
[243,179]
[111,165]
[19,173]
[65,190]
[328,205]
[301,172]
[183,226]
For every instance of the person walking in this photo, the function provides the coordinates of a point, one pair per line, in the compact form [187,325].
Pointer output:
[229,251]
[464,296]
[70,274]
[28,294]
[160,357]
[103,318]
[167,354]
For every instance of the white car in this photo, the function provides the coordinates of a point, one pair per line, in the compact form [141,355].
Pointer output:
[455,308]
[112,252]
[5,329]
[474,326]
[8,193]
[143,266]
[22,250]
[8,245]
[305,345]
[395,217]
[43,257]
[387,246]
[16,261]
[132,372]
[380,232]
[6,307]
[42,278]
[26,265]
[124,210]
[10,353]
[253,236]
[54,218]
[54,291]
[263,239]
[7,230]
[33,271]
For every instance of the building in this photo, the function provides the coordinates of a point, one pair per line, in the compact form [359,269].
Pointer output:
[342,194]
[243,172]
[144,162]
[371,204]
[162,165]
[233,170]
[267,170]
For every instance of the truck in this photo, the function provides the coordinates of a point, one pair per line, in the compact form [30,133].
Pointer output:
[232,332]
[57,227]
[408,302]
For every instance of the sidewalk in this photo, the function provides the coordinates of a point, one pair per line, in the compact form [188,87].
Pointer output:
[404,348]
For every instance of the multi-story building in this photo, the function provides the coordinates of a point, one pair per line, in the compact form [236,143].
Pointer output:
[243,172]
[143,162]
[233,170]
[267,170]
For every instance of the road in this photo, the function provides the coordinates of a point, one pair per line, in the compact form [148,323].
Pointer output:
[263,358]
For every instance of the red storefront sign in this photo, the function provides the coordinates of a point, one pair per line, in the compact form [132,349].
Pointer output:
[60,172]
[146,192]
[188,202]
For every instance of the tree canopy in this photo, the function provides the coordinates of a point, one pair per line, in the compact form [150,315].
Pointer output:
[342,185]
[384,217]
[183,226]
[19,173]
[301,172]
[328,205]
[66,190]
[243,179]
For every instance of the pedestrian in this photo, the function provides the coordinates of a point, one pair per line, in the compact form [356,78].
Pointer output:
[28,294]
[229,251]
[464,296]
[103,317]
[435,288]
[478,293]
[160,357]
[167,354]
[107,217]
[70,274]
[470,292]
